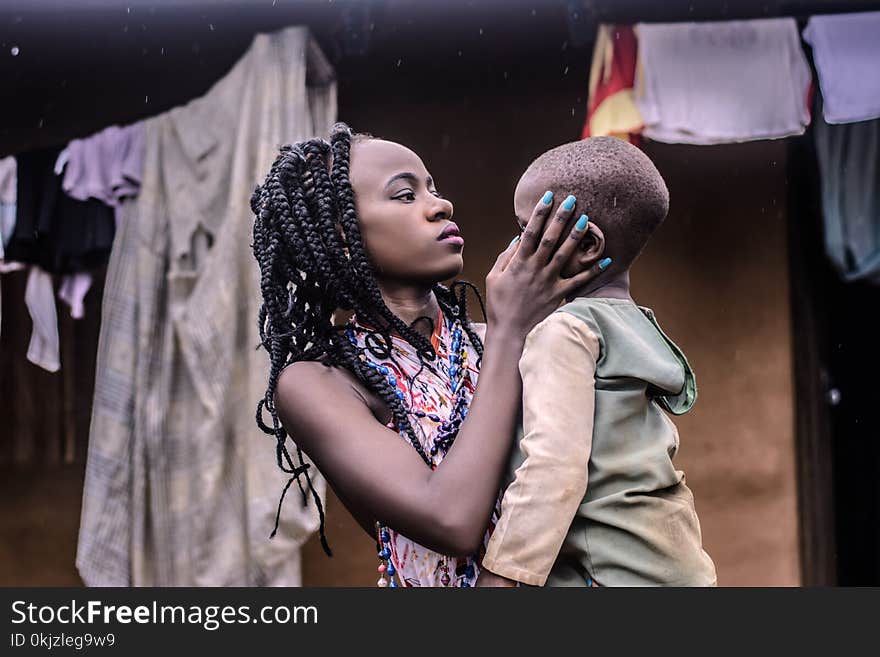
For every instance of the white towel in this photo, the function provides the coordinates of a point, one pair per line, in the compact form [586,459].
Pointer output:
[846,50]
[720,82]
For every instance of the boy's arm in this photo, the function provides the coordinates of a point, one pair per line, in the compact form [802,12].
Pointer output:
[558,369]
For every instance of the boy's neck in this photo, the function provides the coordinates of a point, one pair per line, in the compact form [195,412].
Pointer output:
[616,287]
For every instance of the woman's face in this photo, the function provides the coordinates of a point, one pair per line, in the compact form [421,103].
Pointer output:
[406,225]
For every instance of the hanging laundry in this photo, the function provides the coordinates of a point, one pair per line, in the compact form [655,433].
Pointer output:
[181,486]
[7,216]
[73,291]
[39,297]
[849,169]
[43,348]
[8,192]
[58,233]
[107,167]
[611,108]
[55,234]
[846,51]
[719,82]
[8,181]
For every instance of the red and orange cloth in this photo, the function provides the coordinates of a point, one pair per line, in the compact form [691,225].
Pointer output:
[611,108]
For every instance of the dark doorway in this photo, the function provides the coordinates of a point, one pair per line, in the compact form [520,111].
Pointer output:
[854,361]
[838,426]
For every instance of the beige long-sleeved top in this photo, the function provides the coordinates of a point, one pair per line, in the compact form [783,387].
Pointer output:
[594,492]
[540,503]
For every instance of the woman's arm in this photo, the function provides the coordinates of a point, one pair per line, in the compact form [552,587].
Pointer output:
[328,413]
[446,509]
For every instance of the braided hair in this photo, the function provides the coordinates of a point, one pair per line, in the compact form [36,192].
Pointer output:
[312,260]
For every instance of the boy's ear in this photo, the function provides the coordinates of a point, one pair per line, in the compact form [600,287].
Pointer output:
[590,250]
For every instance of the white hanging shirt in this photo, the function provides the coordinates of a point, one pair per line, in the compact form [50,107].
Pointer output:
[721,82]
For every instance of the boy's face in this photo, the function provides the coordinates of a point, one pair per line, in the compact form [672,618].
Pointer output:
[529,190]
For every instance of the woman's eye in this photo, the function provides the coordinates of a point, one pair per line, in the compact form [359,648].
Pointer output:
[438,194]
[406,196]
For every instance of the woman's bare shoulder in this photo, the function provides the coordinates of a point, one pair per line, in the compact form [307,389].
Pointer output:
[307,375]
[303,384]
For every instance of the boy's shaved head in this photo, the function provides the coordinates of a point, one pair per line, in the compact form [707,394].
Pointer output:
[615,184]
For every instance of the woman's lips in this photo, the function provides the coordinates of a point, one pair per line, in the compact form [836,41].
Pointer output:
[451,234]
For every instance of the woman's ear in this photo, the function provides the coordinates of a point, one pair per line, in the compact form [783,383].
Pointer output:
[590,250]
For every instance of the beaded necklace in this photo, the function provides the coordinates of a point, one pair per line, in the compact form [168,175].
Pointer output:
[442,442]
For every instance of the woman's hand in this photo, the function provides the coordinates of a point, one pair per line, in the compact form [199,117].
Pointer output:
[526,284]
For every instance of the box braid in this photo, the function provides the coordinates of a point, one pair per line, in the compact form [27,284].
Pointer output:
[307,242]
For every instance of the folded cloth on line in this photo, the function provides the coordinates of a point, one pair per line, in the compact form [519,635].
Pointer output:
[846,50]
[720,82]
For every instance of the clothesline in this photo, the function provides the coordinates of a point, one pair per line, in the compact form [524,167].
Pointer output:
[737,81]
[731,81]
[60,217]
[697,83]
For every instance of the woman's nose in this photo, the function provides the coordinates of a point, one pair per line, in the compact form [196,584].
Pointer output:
[441,208]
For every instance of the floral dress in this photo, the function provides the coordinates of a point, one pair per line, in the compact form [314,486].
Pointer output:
[428,399]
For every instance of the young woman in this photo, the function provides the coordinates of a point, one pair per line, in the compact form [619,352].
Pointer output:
[387,404]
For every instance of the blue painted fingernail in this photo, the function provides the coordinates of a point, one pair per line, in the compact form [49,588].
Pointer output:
[513,241]
[604,264]
[568,204]
[582,222]
[548,197]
